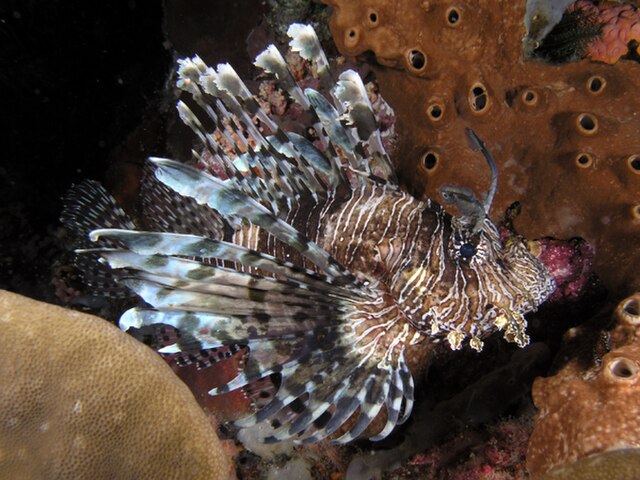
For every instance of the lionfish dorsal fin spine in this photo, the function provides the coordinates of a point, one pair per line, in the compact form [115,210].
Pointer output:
[271,61]
[305,42]
[352,94]
[344,124]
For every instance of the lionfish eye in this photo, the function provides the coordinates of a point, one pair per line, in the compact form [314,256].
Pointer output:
[467,250]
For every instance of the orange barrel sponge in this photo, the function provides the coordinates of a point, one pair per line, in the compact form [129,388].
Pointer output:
[585,412]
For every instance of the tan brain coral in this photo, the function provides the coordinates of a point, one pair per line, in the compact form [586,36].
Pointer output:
[565,137]
[81,399]
[618,465]
[586,412]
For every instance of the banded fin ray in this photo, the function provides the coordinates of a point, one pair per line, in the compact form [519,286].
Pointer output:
[361,141]
[186,274]
[221,300]
[170,244]
[229,80]
[271,61]
[231,203]
[351,92]
[200,80]
[324,400]
[217,329]
[223,89]
[341,137]
[349,122]
[166,212]
[305,42]
[358,388]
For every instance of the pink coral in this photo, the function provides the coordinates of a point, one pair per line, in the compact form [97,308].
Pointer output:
[570,264]
[273,99]
[620,25]
[470,456]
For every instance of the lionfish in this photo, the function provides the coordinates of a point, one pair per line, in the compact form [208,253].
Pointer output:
[304,250]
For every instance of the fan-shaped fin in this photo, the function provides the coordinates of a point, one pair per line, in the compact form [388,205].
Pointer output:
[88,206]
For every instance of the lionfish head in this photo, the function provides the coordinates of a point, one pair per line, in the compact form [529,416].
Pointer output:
[478,282]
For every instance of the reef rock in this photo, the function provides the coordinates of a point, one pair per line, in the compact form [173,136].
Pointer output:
[586,412]
[81,399]
[565,137]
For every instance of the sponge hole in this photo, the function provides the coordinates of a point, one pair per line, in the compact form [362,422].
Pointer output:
[417,60]
[623,368]
[596,84]
[453,16]
[587,124]
[478,98]
[430,160]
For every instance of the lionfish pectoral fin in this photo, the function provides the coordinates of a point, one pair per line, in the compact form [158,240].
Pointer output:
[298,327]
[335,395]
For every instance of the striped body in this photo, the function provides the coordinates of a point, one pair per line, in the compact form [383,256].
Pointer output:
[407,246]
[303,250]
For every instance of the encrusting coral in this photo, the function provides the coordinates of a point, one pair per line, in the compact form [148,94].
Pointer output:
[565,137]
[570,263]
[586,412]
[81,399]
